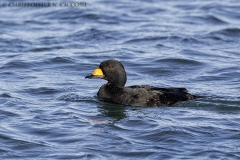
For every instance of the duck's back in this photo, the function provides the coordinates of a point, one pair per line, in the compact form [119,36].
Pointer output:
[144,95]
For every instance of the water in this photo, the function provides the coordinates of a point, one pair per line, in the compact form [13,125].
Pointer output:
[49,111]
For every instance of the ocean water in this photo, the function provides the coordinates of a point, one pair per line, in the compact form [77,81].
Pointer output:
[48,110]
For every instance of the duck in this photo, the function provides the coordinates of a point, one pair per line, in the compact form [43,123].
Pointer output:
[138,95]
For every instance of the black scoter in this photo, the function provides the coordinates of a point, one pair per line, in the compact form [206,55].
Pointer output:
[113,71]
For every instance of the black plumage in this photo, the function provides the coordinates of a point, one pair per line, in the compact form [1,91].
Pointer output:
[113,71]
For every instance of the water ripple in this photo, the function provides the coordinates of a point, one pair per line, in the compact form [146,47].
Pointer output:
[50,111]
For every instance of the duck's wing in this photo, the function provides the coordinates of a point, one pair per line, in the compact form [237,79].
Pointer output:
[152,88]
[165,96]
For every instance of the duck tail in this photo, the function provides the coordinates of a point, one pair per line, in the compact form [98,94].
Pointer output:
[190,96]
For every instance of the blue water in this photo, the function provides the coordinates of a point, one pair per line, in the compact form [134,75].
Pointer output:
[49,111]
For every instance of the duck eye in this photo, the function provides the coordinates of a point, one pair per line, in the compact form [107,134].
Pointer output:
[110,67]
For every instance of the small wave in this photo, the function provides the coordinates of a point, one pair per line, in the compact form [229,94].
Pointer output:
[7,113]
[209,19]
[45,49]
[94,34]
[16,64]
[179,61]
[215,20]
[147,39]
[59,60]
[42,90]
[229,32]
[219,103]
[5,95]
[74,98]
[14,45]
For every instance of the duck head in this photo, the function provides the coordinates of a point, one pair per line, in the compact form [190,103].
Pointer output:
[111,70]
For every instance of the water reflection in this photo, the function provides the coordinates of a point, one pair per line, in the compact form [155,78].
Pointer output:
[112,110]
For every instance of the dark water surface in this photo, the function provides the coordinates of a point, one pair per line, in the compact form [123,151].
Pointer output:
[49,111]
